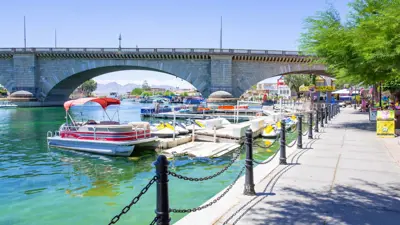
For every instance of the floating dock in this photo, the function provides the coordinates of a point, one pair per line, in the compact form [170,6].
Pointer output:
[201,149]
[170,115]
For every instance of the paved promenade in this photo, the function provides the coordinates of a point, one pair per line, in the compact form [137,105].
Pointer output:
[346,175]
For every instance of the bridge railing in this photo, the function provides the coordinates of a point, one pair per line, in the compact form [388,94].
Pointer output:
[163,172]
[154,50]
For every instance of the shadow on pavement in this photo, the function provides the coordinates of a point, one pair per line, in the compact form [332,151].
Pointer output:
[347,205]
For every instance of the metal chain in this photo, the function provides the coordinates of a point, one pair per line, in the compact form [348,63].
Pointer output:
[207,177]
[289,146]
[292,131]
[277,138]
[212,202]
[154,221]
[134,201]
[269,159]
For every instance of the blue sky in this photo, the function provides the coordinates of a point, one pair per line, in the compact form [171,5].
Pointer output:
[251,24]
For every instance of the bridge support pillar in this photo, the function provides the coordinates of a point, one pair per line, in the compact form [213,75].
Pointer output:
[25,70]
[221,73]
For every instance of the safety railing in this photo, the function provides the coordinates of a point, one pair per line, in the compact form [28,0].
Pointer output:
[163,174]
[155,50]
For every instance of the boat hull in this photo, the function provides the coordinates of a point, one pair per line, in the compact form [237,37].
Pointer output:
[112,148]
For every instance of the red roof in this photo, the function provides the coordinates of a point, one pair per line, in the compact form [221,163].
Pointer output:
[104,102]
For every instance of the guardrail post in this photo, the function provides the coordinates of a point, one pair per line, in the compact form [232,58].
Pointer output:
[316,129]
[321,111]
[329,112]
[282,158]
[326,115]
[299,131]
[310,124]
[162,190]
[249,176]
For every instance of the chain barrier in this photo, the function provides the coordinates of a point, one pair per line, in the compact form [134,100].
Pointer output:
[289,146]
[212,202]
[270,145]
[268,160]
[292,131]
[134,201]
[154,221]
[211,176]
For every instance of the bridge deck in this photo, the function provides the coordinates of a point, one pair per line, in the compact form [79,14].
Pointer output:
[347,176]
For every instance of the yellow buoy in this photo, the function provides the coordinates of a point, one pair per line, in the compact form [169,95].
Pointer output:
[267,142]
[269,150]
[278,125]
[294,117]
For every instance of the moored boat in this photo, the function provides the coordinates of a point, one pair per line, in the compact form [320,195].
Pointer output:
[103,137]
[7,105]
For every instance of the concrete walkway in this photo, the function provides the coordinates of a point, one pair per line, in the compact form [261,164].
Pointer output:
[346,176]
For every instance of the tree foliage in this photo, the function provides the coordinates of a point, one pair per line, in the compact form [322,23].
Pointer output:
[184,94]
[392,85]
[168,93]
[137,91]
[294,81]
[88,87]
[364,48]
[3,91]
[145,86]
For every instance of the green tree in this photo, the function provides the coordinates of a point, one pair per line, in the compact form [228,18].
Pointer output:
[88,87]
[392,85]
[365,48]
[168,93]
[184,94]
[145,85]
[3,91]
[137,91]
[146,93]
[294,81]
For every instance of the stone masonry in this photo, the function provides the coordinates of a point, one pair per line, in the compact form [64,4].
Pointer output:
[54,79]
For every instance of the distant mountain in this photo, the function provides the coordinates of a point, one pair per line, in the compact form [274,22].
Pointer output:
[122,89]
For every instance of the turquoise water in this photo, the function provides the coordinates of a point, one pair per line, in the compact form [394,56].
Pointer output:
[46,186]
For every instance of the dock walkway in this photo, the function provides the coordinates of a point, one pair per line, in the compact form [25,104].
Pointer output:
[345,175]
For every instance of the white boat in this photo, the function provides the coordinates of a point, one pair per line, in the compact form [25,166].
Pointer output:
[180,128]
[164,130]
[7,105]
[102,137]
[269,132]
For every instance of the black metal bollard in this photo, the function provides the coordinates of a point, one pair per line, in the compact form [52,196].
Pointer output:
[316,129]
[249,177]
[329,112]
[162,190]
[300,131]
[282,158]
[326,114]
[321,111]
[310,124]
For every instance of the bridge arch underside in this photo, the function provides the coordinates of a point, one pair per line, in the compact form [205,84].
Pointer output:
[247,74]
[57,86]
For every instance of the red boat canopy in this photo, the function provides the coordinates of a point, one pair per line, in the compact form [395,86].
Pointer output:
[104,102]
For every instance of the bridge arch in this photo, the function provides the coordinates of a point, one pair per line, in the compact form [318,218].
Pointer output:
[56,84]
[246,74]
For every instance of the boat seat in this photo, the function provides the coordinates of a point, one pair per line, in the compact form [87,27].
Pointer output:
[90,122]
[109,123]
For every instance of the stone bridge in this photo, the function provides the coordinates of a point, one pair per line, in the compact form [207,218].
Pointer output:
[52,74]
